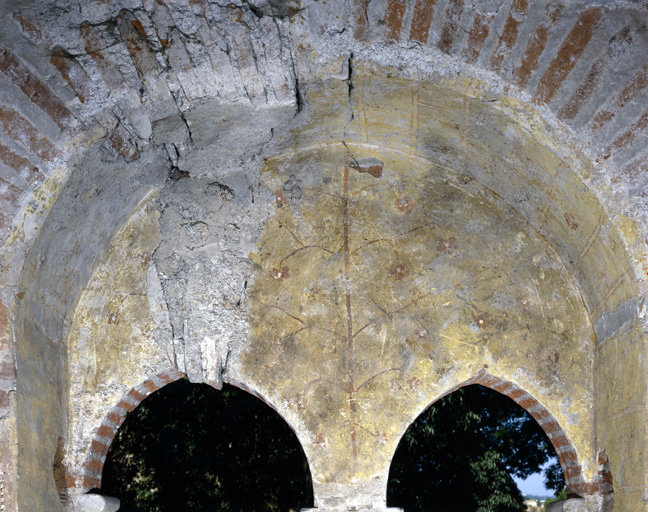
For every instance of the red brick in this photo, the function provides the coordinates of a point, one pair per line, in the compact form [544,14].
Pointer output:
[572,472]
[91,482]
[572,106]
[115,418]
[422,20]
[538,413]
[150,386]
[361,18]
[166,378]
[453,14]
[121,140]
[21,130]
[95,466]
[34,88]
[477,36]
[569,53]
[127,406]
[630,135]
[516,393]
[105,431]
[9,193]
[489,380]
[7,369]
[72,72]
[20,164]
[527,402]
[394,18]
[503,387]
[134,35]
[529,61]
[4,403]
[631,89]
[70,481]
[136,395]
[551,426]
[30,28]
[109,72]
[560,441]
[99,448]
[509,35]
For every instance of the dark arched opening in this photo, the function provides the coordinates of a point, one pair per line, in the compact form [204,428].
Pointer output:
[189,447]
[462,453]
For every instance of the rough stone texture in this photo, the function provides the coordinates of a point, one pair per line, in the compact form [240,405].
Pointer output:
[161,161]
[570,505]
[94,503]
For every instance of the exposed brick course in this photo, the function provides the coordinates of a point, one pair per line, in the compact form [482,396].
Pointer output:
[106,432]
[21,130]
[509,35]
[564,449]
[569,53]
[453,14]
[34,88]
[477,36]
[422,20]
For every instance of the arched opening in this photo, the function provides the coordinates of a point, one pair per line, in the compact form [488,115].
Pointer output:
[192,447]
[463,452]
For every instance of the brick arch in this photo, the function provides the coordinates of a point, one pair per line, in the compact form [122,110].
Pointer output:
[567,455]
[102,438]
[104,435]
[562,445]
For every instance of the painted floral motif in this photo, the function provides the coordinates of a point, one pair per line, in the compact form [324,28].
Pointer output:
[113,317]
[280,199]
[481,321]
[413,382]
[447,245]
[279,274]
[405,204]
[398,270]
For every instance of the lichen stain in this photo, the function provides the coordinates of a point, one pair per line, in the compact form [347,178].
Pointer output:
[383,301]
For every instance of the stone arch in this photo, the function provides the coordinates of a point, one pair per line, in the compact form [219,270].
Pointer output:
[567,455]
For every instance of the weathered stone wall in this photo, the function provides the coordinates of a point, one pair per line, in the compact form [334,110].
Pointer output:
[149,152]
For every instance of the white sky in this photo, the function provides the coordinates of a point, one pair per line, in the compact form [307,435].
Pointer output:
[534,484]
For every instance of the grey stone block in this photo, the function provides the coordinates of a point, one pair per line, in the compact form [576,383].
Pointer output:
[570,505]
[94,503]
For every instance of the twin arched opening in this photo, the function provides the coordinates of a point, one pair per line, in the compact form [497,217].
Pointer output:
[187,429]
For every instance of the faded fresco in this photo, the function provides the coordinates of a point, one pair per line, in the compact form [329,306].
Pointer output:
[382,281]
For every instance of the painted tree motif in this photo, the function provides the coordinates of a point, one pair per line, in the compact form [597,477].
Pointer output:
[365,286]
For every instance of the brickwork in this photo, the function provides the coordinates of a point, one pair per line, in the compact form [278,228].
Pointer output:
[132,78]
[518,41]
[105,433]
[565,451]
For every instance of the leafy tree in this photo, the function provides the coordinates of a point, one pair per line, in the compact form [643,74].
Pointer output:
[189,447]
[461,453]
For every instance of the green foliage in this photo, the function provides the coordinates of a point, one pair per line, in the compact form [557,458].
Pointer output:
[192,448]
[461,453]
[560,495]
